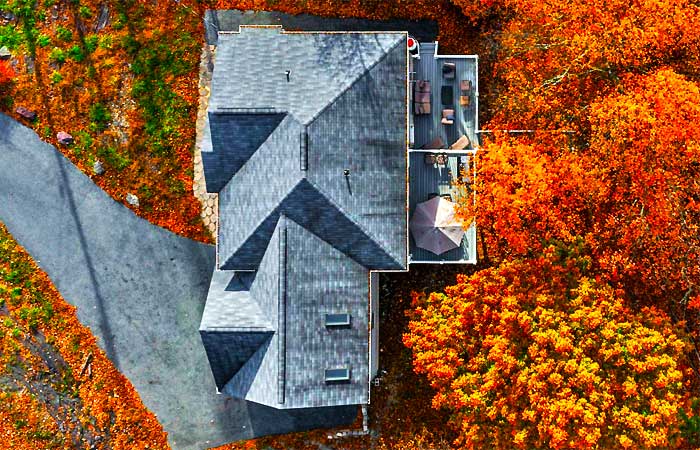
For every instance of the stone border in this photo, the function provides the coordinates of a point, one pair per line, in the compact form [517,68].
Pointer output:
[210,203]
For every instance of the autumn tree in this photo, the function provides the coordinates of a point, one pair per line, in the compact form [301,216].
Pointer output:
[534,354]
[645,149]
[529,192]
[556,57]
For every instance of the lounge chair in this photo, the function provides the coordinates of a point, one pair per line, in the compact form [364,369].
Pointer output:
[447,95]
[465,89]
[461,143]
[448,116]
[434,144]
[449,70]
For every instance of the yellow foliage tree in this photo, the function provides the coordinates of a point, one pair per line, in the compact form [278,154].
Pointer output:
[533,354]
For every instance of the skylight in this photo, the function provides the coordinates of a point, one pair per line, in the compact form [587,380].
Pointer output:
[337,320]
[338,374]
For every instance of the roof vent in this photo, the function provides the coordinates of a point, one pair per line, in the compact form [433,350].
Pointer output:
[288,72]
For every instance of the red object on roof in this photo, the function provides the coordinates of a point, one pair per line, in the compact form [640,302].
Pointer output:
[412,43]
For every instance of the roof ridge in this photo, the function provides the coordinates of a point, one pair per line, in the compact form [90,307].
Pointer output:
[351,219]
[351,84]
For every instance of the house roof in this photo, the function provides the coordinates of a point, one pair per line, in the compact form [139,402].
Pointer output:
[277,154]
[250,362]
[321,67]
[361,128]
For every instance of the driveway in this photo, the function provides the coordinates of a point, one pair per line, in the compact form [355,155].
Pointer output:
[140,288]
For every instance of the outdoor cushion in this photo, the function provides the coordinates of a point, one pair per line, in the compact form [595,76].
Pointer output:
[434,144]
[448,116]
[421,108]
[465,86]
[422,97]
[422,86]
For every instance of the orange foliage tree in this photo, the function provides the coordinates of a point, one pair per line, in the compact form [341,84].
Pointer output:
[533,354]
[556,57]
[645,149]
[529,191]
[630,191]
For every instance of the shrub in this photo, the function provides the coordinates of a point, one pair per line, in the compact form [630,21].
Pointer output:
[112,157]
[10,37]
[56,77]
[83,143]
[76,53]
[91,43]
[57,55]
[7,73]
[43,40]
[85,12]
[64,34]
[105,42]
[99,117]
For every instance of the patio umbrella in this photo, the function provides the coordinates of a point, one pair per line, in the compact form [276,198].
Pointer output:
[435,227]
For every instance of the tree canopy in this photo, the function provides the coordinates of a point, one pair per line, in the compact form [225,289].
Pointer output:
[535,354]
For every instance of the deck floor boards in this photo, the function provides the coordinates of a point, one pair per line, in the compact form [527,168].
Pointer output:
[426,179]
[427,127]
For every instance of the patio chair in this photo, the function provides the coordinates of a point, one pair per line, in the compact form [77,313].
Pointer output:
[447,95]
[441,159]
[465,89]
[448,116]
[434,144]
[429,159]
[449,70]
[461,143]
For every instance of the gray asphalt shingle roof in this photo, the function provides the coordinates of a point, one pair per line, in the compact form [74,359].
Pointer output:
[321,65]
[338,285]
[236,136]
[289,212]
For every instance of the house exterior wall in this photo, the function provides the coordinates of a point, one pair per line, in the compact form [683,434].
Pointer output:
[374,324]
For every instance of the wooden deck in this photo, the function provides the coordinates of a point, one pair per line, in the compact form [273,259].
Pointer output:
[426,179]
[427,127]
